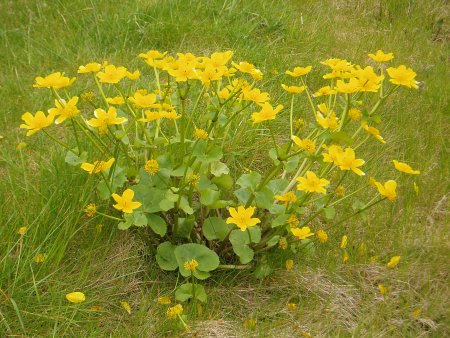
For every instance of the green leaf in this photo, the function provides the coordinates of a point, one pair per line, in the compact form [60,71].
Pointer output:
[264,198]
[74,159]
[277,186]
[249,180]
[150,197]
[273,241]
[240,239]
[184,205]
[165,256]
[242,195]
[291,164]
[280,220]
[209,196]
[206,258]
[157,224]
[330,212]
[342,137]
[139,219]
[223,181]
[207,154]
[185,226]
[215,228]
[127,224]
[263,270]
[219,168]
[166,205]
[186,291]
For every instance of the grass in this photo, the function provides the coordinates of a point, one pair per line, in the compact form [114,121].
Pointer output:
[334,299]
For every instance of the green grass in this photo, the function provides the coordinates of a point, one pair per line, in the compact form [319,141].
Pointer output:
[334,299]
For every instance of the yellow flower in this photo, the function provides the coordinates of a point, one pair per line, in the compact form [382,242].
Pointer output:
[201,134]
[380,56]
[117,100]
[92,67]
[191,265]
[347,87]
[322,236]
[183,72]
[299,123]
[312,183]
[54,80]
[388,189]
[393,262]
[242,217]
[416,188]
[327,122]
[292,306]
[346,257]
[293,220]
[374,131]
[91,210]
[405,168]
[340,190]
[255,95]
[347,161]
[151,116]
[88,96]
[250,324]
[143,100]
[21,146]
[324,91]
[372,181]
[193,179]
[383,290]
[104,119]
[302,233]
[287,198]
[333,154]
[416,313]
[164,300]
[174,311]
[344,242]
[22,231]
[76,297]
[299,71]
[37,122]
[266,113]
[151,166]
[97,166]
[125,202]
[134,76]
[40,258]
[293,89]
[65,110]
[112,74]
[289,264]
[306,144]
[282,243]
[245,67]
[126,306]
[354,114]
[152,54]
[362,249]
[403,76]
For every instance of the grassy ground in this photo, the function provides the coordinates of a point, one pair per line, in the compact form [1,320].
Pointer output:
[334,299]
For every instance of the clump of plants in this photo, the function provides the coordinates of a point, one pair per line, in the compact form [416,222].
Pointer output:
[161,145]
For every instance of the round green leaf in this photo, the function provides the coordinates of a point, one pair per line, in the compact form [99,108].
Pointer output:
[186,291]
[215,228]
[206,258]
[165,256]
[157,224]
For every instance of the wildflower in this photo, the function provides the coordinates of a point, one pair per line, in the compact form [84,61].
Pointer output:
[322,236]
[54,80]
[151,116]
[299,71]
[91,210]
[292,306]
[333,154]
[65,110]
[22,231]
[306,144]
[416,188]
[312,183]
[255,95]
[191,265]
[76,297]
[184,72]
[143,100]
[393,262]
[201,134]
[164,300]
[347,87]
[354,114]
[362,249]
[346,257]
[97,166]
[405,168]
[88,96]
[104,119]
[299,123]
[380,56]
[287,198]
[40,258]
[344,242]
[92,67]
[266,113]
[174,311]
[383,290]
[293,89]
[388,189]
[152,54]
[302,233]
[126,306]
[372,181]
[242,217]
[403,76]
[282,243]
[21,145]
[151,166]
[289,264]
[366,80]
[134,76]
[125,202]
[112,74]
[117,100]
[293,221]
[372,130]
[224,94]
[250,324]
[37,122]
[245,67]
[328,122]
[416,313]
[347,161]
[324,91]
[340,190]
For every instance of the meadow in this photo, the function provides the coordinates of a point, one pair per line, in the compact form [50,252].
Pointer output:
[333,298]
